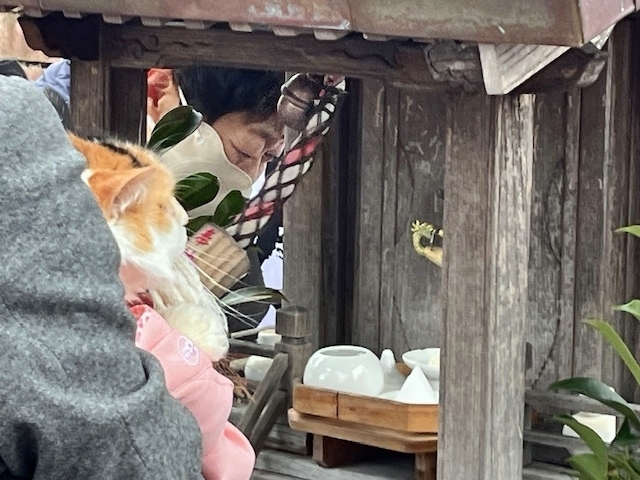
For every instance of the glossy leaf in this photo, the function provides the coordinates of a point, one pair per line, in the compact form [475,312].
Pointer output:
[633,307]
[610,334]
[627,435]
[197,190]
[174,127]
[632,229]
[230,206]
[253,294]
[598,391]
[589,466]
[588,436]
[197,223]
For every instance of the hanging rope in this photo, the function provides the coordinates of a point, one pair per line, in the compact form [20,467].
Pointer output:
[308,104]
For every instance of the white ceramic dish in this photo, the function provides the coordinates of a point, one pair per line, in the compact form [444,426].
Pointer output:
[345,368]
[428,359]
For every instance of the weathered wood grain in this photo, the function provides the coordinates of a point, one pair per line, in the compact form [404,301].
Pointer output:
[617,159]
[565,342]
[450,66]
[544,321]
[605,159]
[488,181]
[368,245]
[90,97]
[407,182]
[417,308]
[631,331]
[587,359]
[389,183]
[302,280]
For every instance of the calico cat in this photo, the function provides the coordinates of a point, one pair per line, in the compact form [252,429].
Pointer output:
[136,195]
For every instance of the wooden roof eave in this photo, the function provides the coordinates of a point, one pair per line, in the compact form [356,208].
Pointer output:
[569,23]
[430,64]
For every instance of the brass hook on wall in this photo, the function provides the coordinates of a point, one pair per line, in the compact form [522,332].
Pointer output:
[421,231]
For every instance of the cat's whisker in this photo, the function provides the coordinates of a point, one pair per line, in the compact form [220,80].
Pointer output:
[228,291]
[243,318]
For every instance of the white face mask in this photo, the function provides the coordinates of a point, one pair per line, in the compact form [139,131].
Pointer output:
[203,151]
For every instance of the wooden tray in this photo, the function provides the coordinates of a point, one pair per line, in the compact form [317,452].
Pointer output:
[365,410]
[406,442]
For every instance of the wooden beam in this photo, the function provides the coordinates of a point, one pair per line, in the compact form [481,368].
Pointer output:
[488,182]
[439,66]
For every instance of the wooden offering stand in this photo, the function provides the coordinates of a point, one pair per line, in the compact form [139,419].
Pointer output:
[343,424]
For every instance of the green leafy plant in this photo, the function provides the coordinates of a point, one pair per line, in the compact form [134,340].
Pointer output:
[200,188]
[174,127]
[621,459]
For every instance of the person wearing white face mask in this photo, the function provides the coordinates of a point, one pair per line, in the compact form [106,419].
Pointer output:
[240,134]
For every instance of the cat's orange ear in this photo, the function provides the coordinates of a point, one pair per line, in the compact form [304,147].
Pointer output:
[117,190]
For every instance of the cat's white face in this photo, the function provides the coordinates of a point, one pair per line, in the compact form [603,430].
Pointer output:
[148,269]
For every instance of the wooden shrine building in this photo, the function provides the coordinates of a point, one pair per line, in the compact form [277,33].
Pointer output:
[513,124]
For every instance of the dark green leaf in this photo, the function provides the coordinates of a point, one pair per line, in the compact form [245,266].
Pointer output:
[174,127]
[253,294]
[633,307]
[229,207]
[627,435]
[610,334]
[632,229]
[599,391]
[588,436]
[197,223]
[635,464]
[197,190]
[589,466]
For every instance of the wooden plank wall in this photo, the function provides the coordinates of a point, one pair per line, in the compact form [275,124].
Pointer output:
[369,286]
[585,184]
[397,294]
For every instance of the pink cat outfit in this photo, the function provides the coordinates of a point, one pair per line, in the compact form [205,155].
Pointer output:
[190,378]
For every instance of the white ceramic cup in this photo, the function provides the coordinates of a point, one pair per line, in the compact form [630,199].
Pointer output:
[345,368]
[428,359]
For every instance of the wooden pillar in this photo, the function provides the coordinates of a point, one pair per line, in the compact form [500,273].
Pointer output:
[128,109]
[294,324]
[302,220]
[89,99]
[488,182]
[106,101]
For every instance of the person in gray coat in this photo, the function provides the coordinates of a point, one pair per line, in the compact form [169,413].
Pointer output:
[78,400]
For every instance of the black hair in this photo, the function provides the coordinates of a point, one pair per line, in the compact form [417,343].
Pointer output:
[216,91]
[12,68]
